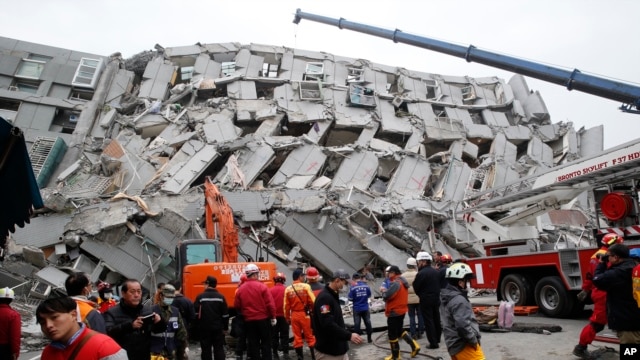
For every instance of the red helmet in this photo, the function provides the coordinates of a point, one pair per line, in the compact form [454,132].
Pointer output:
[312,273]
[446,259]
[280,277]
[611,239]
[104,286]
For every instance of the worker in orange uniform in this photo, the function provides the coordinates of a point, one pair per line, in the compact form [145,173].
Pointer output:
[298,304]
[280,334]
[313,277]
[598,318]
[105,299]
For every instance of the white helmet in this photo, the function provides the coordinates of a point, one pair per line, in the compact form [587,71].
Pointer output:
[7,293]
[251,269]
[459,271]
[423,255]
[411,262]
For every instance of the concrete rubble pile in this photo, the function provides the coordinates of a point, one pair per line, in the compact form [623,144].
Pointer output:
[326,160]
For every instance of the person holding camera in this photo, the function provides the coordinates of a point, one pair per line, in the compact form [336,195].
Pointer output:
[130,323]
[298,303]
[598,318]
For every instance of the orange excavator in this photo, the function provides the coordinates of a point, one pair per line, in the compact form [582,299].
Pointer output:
[218,254]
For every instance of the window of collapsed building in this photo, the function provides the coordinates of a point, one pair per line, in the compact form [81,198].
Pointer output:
[269,70]
[477,118]
[186,74]
[310,90]
[9,109]
[443,120]
[361,96]
[468,94]
[228,68]
[314,71]
[87,73]
[433,90]
[81,94]
[25,85]
[30,69]
[64,121]
[355,75]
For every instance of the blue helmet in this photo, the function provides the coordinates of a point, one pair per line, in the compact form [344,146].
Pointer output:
[635,253]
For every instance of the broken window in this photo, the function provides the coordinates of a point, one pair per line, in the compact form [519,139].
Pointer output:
[26,86]
[468,94]
[314,72]
[78,94]
[432,88]
[310,90]
[269,70]
[360,96]
[186,73]
[87,73]
[30,69]
[9,109]
[355,75]
[228,68]
[38,57]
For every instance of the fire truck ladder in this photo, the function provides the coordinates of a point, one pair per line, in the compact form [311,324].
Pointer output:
[563,182]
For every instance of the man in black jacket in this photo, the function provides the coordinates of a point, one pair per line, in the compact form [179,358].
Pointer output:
[130,323]
[427,287]
[212,320]
[332,337]
[623,314]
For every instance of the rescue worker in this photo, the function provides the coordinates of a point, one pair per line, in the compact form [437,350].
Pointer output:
[635,274]
[413,302]
[328,323]
[461,330]
[395,299]
[78,287]
[598,318]
[185,305]
[211,320]
[255,303]
[171,343]
[313,277]
[10,326]
[298,304]
[280,338]
[427,287]
[237,327]
[614,275]
[445,261]
[105,299]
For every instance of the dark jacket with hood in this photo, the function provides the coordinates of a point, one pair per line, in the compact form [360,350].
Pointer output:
[459,324]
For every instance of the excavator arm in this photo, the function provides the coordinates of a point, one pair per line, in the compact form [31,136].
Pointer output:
[219,223]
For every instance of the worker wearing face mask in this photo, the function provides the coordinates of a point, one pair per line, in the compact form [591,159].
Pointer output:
[105,301]
[171,344]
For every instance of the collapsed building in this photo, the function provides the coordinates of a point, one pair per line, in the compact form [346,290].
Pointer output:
[326,160]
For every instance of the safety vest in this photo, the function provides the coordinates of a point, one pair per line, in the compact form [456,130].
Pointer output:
[166,341]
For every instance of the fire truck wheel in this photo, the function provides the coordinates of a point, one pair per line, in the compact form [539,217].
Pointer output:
[515,288]
[552,298]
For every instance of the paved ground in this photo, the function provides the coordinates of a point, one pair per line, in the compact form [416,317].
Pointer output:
[497,346]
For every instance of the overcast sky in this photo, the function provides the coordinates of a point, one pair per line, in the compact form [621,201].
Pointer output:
[596,37]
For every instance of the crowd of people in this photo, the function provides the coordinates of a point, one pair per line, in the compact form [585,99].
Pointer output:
[432,290]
